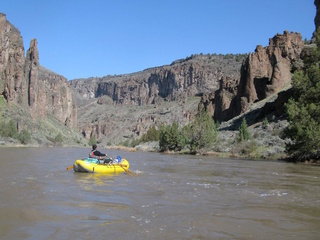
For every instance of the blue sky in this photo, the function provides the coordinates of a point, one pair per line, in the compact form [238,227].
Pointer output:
[95,38]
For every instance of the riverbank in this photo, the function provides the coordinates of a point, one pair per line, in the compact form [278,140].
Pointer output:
[265,143]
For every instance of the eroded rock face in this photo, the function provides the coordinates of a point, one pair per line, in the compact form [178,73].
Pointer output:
[195,76]
[269,69]
[56,93]
[35,93]
[263,73]
[24,82]
[12,62]
[222,98]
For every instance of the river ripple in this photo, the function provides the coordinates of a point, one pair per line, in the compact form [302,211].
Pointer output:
[171,197]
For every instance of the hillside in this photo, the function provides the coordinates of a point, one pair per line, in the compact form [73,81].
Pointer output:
[123,107]
[43,132]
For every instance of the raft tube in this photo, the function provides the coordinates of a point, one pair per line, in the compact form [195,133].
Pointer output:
[90,165]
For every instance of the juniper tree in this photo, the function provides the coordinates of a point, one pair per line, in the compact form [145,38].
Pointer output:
[303,109]
[244,133]
[203,131]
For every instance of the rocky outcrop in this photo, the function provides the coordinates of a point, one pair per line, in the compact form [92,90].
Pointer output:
[12,84]
[56,93]
[24,82]
[218,103]
[196,75]
[35,94]
[264,73]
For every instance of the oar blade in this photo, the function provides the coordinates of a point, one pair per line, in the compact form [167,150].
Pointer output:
[126,170]
[70,167]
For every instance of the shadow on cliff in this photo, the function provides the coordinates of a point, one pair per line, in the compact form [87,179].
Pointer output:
[272,111]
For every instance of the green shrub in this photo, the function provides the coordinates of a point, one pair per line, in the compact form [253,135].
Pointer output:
[135,142]
[24,136]
[265,122]
[58,138]
[92,140]
[198,135]
[125,143]
[9,129]
[168,137]
[244,133]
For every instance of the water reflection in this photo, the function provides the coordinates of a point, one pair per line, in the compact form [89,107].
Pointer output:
[89,179]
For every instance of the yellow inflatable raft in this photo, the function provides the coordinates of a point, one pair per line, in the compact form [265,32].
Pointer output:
[92,166]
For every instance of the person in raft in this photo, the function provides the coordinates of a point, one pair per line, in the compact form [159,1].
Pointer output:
[99,155]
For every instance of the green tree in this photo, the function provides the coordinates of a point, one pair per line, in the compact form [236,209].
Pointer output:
[175,137]
[202,132]
[303,110]
[169,137]
[164,138]
[186,135]
[151,135]
[244,133]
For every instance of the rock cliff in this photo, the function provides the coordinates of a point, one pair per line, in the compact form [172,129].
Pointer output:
[263,74]
[12,84]
[196,75]
[25,82]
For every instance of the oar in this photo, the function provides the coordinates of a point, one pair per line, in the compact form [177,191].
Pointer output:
[127,170]
[70,167]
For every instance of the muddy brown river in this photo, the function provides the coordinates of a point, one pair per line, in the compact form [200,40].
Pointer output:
[171,197]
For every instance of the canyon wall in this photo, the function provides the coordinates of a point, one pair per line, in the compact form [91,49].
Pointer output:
[196,75]
[265,72]
[23,81]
